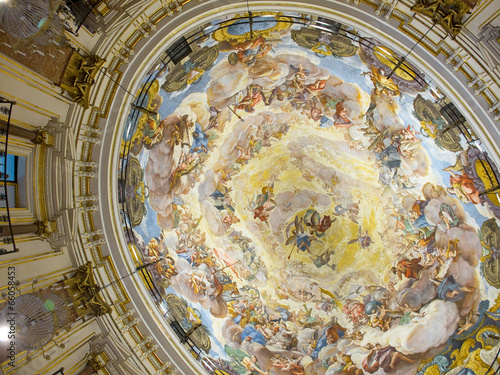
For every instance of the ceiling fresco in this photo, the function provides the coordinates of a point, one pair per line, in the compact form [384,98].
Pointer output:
[303,204]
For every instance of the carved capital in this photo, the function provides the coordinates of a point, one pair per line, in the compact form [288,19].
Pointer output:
[43,137]
[45,228]
[95,362]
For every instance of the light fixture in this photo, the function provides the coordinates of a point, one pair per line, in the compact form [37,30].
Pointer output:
[4,329]
[35,20]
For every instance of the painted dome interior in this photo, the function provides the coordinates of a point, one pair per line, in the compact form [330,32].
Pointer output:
[303,200]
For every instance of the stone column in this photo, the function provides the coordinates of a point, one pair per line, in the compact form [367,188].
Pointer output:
[88,370]
[37,136]
[40,228]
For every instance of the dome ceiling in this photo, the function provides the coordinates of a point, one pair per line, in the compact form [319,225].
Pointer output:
[315,205]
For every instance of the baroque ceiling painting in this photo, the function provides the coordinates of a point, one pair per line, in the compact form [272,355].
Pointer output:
[305,203]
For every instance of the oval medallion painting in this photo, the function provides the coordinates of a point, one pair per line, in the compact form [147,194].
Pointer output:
[300,199]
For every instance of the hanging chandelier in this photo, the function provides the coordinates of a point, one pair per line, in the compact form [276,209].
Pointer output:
[34,20]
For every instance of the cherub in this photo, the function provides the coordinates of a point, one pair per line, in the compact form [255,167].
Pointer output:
[349,367]
[408,313]
[379,318]
[441,271]
[352,211]
[251,365]
[383,357]
[355,335]
[363,239]
[290,365]
[470,320]
[198,281]
[181,133]
[186,166]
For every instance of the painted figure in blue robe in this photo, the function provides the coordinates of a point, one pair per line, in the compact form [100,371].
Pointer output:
[249,333]
[418,213]
[325,122]
[329,335]
[297,235]
[390,157]
[200,140]
[186,254]
[449,290]
[303,242]
[222,200]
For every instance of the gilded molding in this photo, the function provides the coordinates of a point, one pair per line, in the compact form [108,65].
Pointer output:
[103,109]
[79,77]
[448,14]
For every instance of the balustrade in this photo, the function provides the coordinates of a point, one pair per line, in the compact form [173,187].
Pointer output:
[7,241]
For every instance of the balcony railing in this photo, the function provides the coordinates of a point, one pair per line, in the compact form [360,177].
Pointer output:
[7,242]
